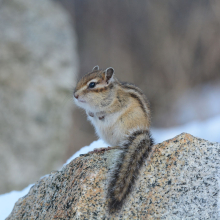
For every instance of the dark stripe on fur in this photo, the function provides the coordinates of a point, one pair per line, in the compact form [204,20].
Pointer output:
[131,138]
[146,143]
[89,76]
[140,102]
[110,86]
[131,86]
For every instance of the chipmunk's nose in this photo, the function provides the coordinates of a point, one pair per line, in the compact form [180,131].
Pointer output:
[76,96]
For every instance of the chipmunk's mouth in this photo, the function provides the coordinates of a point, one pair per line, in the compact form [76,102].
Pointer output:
[81,100]
[77,99]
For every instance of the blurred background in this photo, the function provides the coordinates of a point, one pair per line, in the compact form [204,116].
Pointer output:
[170,49]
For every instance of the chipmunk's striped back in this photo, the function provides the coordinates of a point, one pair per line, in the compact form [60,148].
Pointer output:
[120,114]
[136,93]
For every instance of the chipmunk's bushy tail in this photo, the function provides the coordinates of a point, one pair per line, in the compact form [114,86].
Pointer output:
[134,152]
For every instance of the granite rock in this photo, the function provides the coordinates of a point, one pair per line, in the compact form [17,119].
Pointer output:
[181,180]
[38,65]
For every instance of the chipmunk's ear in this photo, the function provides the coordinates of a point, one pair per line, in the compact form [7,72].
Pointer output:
[95,68]
[109,72]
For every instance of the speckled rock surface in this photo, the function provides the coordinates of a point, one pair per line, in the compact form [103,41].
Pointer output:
[180,181]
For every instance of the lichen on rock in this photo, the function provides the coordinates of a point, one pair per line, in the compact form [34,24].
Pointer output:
[180,180]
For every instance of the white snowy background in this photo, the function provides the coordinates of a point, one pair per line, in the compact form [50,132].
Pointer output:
[208,129]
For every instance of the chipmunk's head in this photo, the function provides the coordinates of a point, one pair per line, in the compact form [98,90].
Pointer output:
[94,91]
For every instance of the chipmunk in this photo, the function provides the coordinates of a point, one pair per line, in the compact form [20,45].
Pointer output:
[120,114]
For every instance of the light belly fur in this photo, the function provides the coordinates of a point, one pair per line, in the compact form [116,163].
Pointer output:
[109,129]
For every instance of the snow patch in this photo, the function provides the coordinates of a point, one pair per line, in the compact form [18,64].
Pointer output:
[207,129]
[84,150]
[8,200]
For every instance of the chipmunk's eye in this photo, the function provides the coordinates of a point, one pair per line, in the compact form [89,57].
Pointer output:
[92,85]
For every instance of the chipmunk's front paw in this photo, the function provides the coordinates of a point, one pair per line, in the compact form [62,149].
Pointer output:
[91,114]
[96,150]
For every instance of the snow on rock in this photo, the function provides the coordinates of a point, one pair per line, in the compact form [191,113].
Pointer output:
[8,200]
[84,150]
[209,129]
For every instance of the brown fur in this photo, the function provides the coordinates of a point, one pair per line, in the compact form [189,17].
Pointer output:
[89,76]
[122,118]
